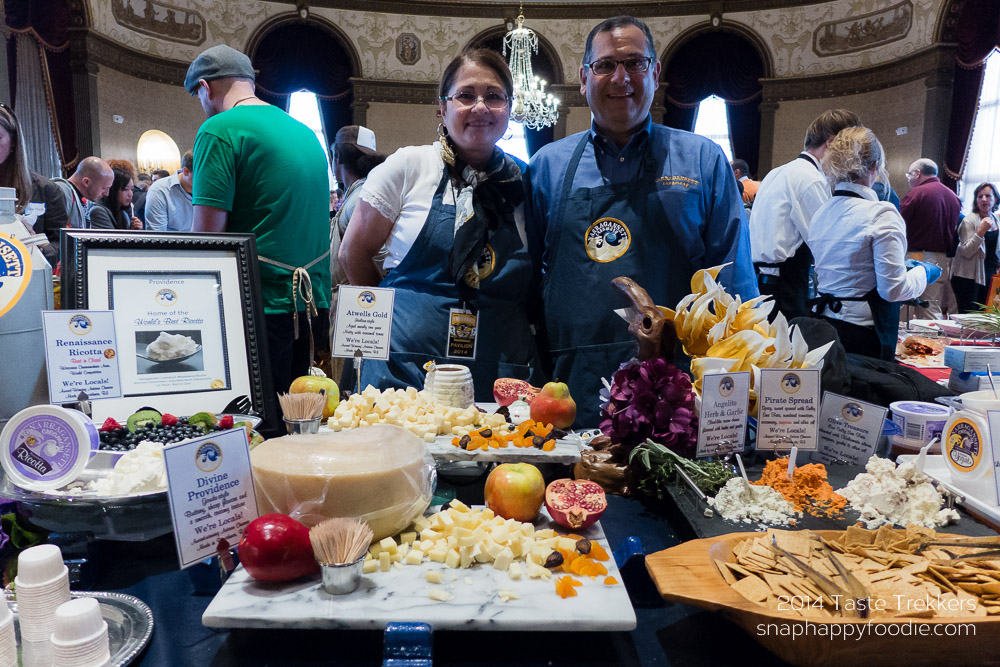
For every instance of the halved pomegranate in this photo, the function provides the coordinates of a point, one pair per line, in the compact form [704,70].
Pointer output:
[575,503]
[508,390]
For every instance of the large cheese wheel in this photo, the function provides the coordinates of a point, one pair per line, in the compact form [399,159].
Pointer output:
[377,474]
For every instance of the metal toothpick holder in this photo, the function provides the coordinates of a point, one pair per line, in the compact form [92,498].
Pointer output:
[341,578]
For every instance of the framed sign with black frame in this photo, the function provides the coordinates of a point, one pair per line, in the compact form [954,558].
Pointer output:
[187,309]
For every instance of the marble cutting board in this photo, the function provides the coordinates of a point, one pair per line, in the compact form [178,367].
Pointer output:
[402,595]
[567,450]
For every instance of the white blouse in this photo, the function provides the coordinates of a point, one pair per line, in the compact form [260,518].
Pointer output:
[859,244]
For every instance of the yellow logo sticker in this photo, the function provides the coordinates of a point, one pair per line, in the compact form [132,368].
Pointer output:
[964,444]
[485,263]
[15,272]
[607,240]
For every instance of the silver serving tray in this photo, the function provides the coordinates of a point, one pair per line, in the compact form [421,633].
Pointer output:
[168,361]
[130,625]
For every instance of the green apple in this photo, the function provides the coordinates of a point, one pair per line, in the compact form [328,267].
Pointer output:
[313,384]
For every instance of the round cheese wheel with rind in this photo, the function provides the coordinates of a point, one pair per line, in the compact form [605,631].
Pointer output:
[380,474]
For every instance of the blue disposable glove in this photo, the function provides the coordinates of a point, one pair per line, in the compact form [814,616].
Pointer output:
[910,264]
[933,271]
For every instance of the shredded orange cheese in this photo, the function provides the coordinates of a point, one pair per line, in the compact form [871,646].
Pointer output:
[808,491]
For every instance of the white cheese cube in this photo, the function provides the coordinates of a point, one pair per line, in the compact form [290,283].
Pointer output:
[440,595]
[453,559]
[434,577]
[503,560]
[515,571]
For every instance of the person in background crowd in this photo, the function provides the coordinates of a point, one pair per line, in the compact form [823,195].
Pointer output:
[258,170]
[742,172]
[354,156]
[91,181]
[168,203]
[112,210]
[932,213]
[450,217]
[786,201]
[157,174]
[139,190]
[39,200]
[976,255]
[628,197]
[859,245]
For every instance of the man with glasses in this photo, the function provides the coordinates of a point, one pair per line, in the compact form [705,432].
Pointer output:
[628,197]
[932,213]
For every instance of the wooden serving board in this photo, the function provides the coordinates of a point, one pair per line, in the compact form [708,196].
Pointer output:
[687,574]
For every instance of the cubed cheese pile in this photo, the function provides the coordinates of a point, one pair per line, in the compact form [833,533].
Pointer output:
[413,410]
[460,537]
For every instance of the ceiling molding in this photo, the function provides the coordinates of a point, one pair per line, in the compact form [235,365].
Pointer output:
[110,53]
[555,10]
[935,63]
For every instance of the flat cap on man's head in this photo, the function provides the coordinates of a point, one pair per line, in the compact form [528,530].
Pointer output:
[218,62]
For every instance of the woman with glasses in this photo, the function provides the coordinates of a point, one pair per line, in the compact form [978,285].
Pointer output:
[39,200]
[859,247]
[976,255]
[113,211]
[450,219]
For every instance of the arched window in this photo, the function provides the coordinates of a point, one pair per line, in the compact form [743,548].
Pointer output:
[304,108]
[513,141]
[711,121]
[981,165]
[717,63]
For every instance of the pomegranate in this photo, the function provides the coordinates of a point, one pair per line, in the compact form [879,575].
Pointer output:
[508,390]
[575,503]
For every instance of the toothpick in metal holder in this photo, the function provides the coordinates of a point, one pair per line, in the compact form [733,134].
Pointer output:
[358,358]
[698,492]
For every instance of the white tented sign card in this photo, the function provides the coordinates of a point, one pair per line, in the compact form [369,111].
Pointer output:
[81,354]
[364,322]
[788,408]
[722,423]
[993,420]
[210,487]
[849,430]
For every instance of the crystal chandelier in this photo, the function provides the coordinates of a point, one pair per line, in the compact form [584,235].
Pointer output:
[531,106]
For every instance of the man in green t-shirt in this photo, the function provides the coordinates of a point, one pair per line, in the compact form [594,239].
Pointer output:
[258,170]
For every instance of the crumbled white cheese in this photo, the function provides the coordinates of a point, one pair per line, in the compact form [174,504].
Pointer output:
[762,504]
[171,346]
[900,496]
[140,470]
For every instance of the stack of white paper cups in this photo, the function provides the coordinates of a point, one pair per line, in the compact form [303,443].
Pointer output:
[80,636]
[42,584]
[8,644]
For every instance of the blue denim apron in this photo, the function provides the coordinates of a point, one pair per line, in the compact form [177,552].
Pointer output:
[425,292]
[598,234]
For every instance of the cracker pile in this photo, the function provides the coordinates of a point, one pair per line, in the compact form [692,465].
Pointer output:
[902,580]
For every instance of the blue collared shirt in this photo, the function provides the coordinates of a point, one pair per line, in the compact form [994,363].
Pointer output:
[697,187]
[620,165]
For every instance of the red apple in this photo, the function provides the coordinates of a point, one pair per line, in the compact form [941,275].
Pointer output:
[515,491]
[553,405]
[314,383]
[276,547]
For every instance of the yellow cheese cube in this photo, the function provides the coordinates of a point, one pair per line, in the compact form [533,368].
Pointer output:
[453,559]
[434,577]
[408,537]
[503,560]
[369,566]
[414,557]
[437,555]
[388,544]
[383,561]
[515,571]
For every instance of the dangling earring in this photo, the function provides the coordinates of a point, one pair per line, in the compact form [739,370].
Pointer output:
[447,154]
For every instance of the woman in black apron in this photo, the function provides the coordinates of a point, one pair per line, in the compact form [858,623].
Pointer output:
[975,258]
[461,287]
[859,245]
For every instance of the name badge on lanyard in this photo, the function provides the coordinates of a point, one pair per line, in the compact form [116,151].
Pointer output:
[463,330]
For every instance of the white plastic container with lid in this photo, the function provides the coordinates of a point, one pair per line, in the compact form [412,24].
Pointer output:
[967,446]
[919,420]
[46,447]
